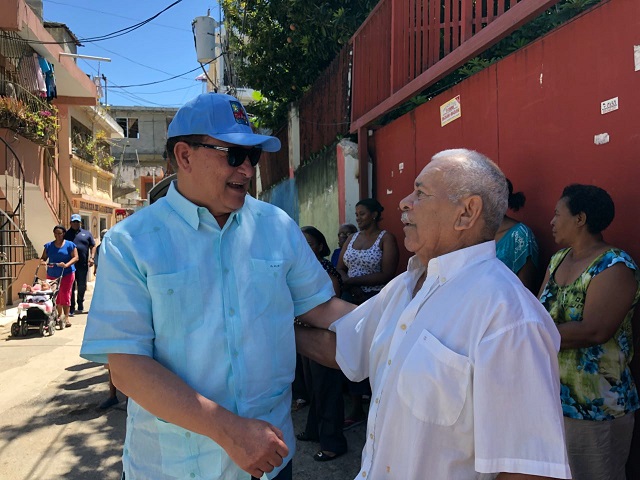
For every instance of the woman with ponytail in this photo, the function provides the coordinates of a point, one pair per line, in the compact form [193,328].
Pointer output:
[516,245]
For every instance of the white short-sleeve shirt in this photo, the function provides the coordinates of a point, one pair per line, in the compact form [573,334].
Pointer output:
[464,376]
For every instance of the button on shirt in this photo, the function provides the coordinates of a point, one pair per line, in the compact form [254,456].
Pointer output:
[216,307]
[464,375]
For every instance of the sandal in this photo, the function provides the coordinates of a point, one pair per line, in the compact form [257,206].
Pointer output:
[305,437]
[67,325]
[323,456]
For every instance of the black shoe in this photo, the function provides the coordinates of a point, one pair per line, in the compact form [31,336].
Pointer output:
[71,314]
[326,456]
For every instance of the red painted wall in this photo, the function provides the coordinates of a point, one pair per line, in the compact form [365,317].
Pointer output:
[536,113]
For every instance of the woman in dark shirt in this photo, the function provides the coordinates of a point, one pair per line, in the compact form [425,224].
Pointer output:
[326,412]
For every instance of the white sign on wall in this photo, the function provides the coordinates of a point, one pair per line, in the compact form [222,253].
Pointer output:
[609,105]
[450,110]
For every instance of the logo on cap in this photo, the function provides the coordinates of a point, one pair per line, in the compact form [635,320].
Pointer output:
[238,113]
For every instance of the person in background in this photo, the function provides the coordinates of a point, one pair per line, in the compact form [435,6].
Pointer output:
[462,357]
[344,231]
[200,336]
[369,257]
[326,411]
[591,289]
[516,244]
[86,246]
[96,258]
[112,399]
[60,256]
[368,260]
[298,387]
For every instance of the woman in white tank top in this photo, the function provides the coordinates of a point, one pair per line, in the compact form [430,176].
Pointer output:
[369,258]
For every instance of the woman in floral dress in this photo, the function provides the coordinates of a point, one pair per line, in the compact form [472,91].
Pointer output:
[591,290]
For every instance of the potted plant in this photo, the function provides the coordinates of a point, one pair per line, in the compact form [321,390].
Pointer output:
[13,113]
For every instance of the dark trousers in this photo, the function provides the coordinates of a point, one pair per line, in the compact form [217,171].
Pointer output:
[81,285]
[326,411]
[285,474]
[299,387]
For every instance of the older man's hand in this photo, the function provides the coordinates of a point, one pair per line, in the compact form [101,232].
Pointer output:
[254,445]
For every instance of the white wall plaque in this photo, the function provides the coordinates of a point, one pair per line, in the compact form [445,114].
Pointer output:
[609,105]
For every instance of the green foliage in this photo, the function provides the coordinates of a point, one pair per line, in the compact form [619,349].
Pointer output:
[37,122]
[280,47]
[94,149]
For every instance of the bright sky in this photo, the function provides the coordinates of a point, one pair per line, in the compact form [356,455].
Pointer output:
[161,49]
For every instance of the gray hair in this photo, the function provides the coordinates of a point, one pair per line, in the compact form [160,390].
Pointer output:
[471,173]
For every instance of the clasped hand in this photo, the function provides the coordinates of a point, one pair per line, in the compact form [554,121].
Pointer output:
[256,446]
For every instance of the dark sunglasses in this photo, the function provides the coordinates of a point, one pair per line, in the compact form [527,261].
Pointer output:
[235,155]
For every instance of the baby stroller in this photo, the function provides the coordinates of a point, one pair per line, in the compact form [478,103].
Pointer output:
[37,308]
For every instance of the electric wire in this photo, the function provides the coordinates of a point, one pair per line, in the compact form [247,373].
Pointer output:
[115,15]
[160,81]
[129,95]
[171,78]
[100,38]
[206,74]
[132,61]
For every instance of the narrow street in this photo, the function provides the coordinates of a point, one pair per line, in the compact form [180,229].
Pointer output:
[51,427]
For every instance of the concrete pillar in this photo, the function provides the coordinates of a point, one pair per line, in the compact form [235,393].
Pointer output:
[348,180]
[294,139]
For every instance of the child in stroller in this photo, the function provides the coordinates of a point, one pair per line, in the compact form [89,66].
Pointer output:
[37,308]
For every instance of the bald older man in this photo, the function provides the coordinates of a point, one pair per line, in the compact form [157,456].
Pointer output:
[462,357]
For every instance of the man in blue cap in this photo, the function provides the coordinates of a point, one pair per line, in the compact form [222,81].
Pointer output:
[194,309]
[86,245]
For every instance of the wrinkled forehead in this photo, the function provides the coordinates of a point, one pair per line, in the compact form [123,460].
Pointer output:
[432,172]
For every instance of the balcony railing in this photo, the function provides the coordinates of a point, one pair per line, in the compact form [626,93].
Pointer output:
[406,45]
[20,109]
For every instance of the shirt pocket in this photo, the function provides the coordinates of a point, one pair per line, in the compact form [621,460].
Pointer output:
[181,454]
[269,279]
[433,381]
[176,301]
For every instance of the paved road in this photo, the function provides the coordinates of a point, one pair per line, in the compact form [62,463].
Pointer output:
[51,428]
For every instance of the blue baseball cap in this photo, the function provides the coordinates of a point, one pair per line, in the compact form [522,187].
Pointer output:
[222,117]
[76,217]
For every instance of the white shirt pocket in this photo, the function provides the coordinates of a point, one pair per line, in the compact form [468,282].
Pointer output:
[433,381]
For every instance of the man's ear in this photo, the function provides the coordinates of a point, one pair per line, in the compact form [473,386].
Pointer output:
[182,152]
[469,212]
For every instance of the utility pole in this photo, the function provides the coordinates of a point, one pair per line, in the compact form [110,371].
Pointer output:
[106,102]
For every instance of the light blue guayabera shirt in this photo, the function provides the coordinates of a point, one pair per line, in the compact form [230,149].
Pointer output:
[216,307]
